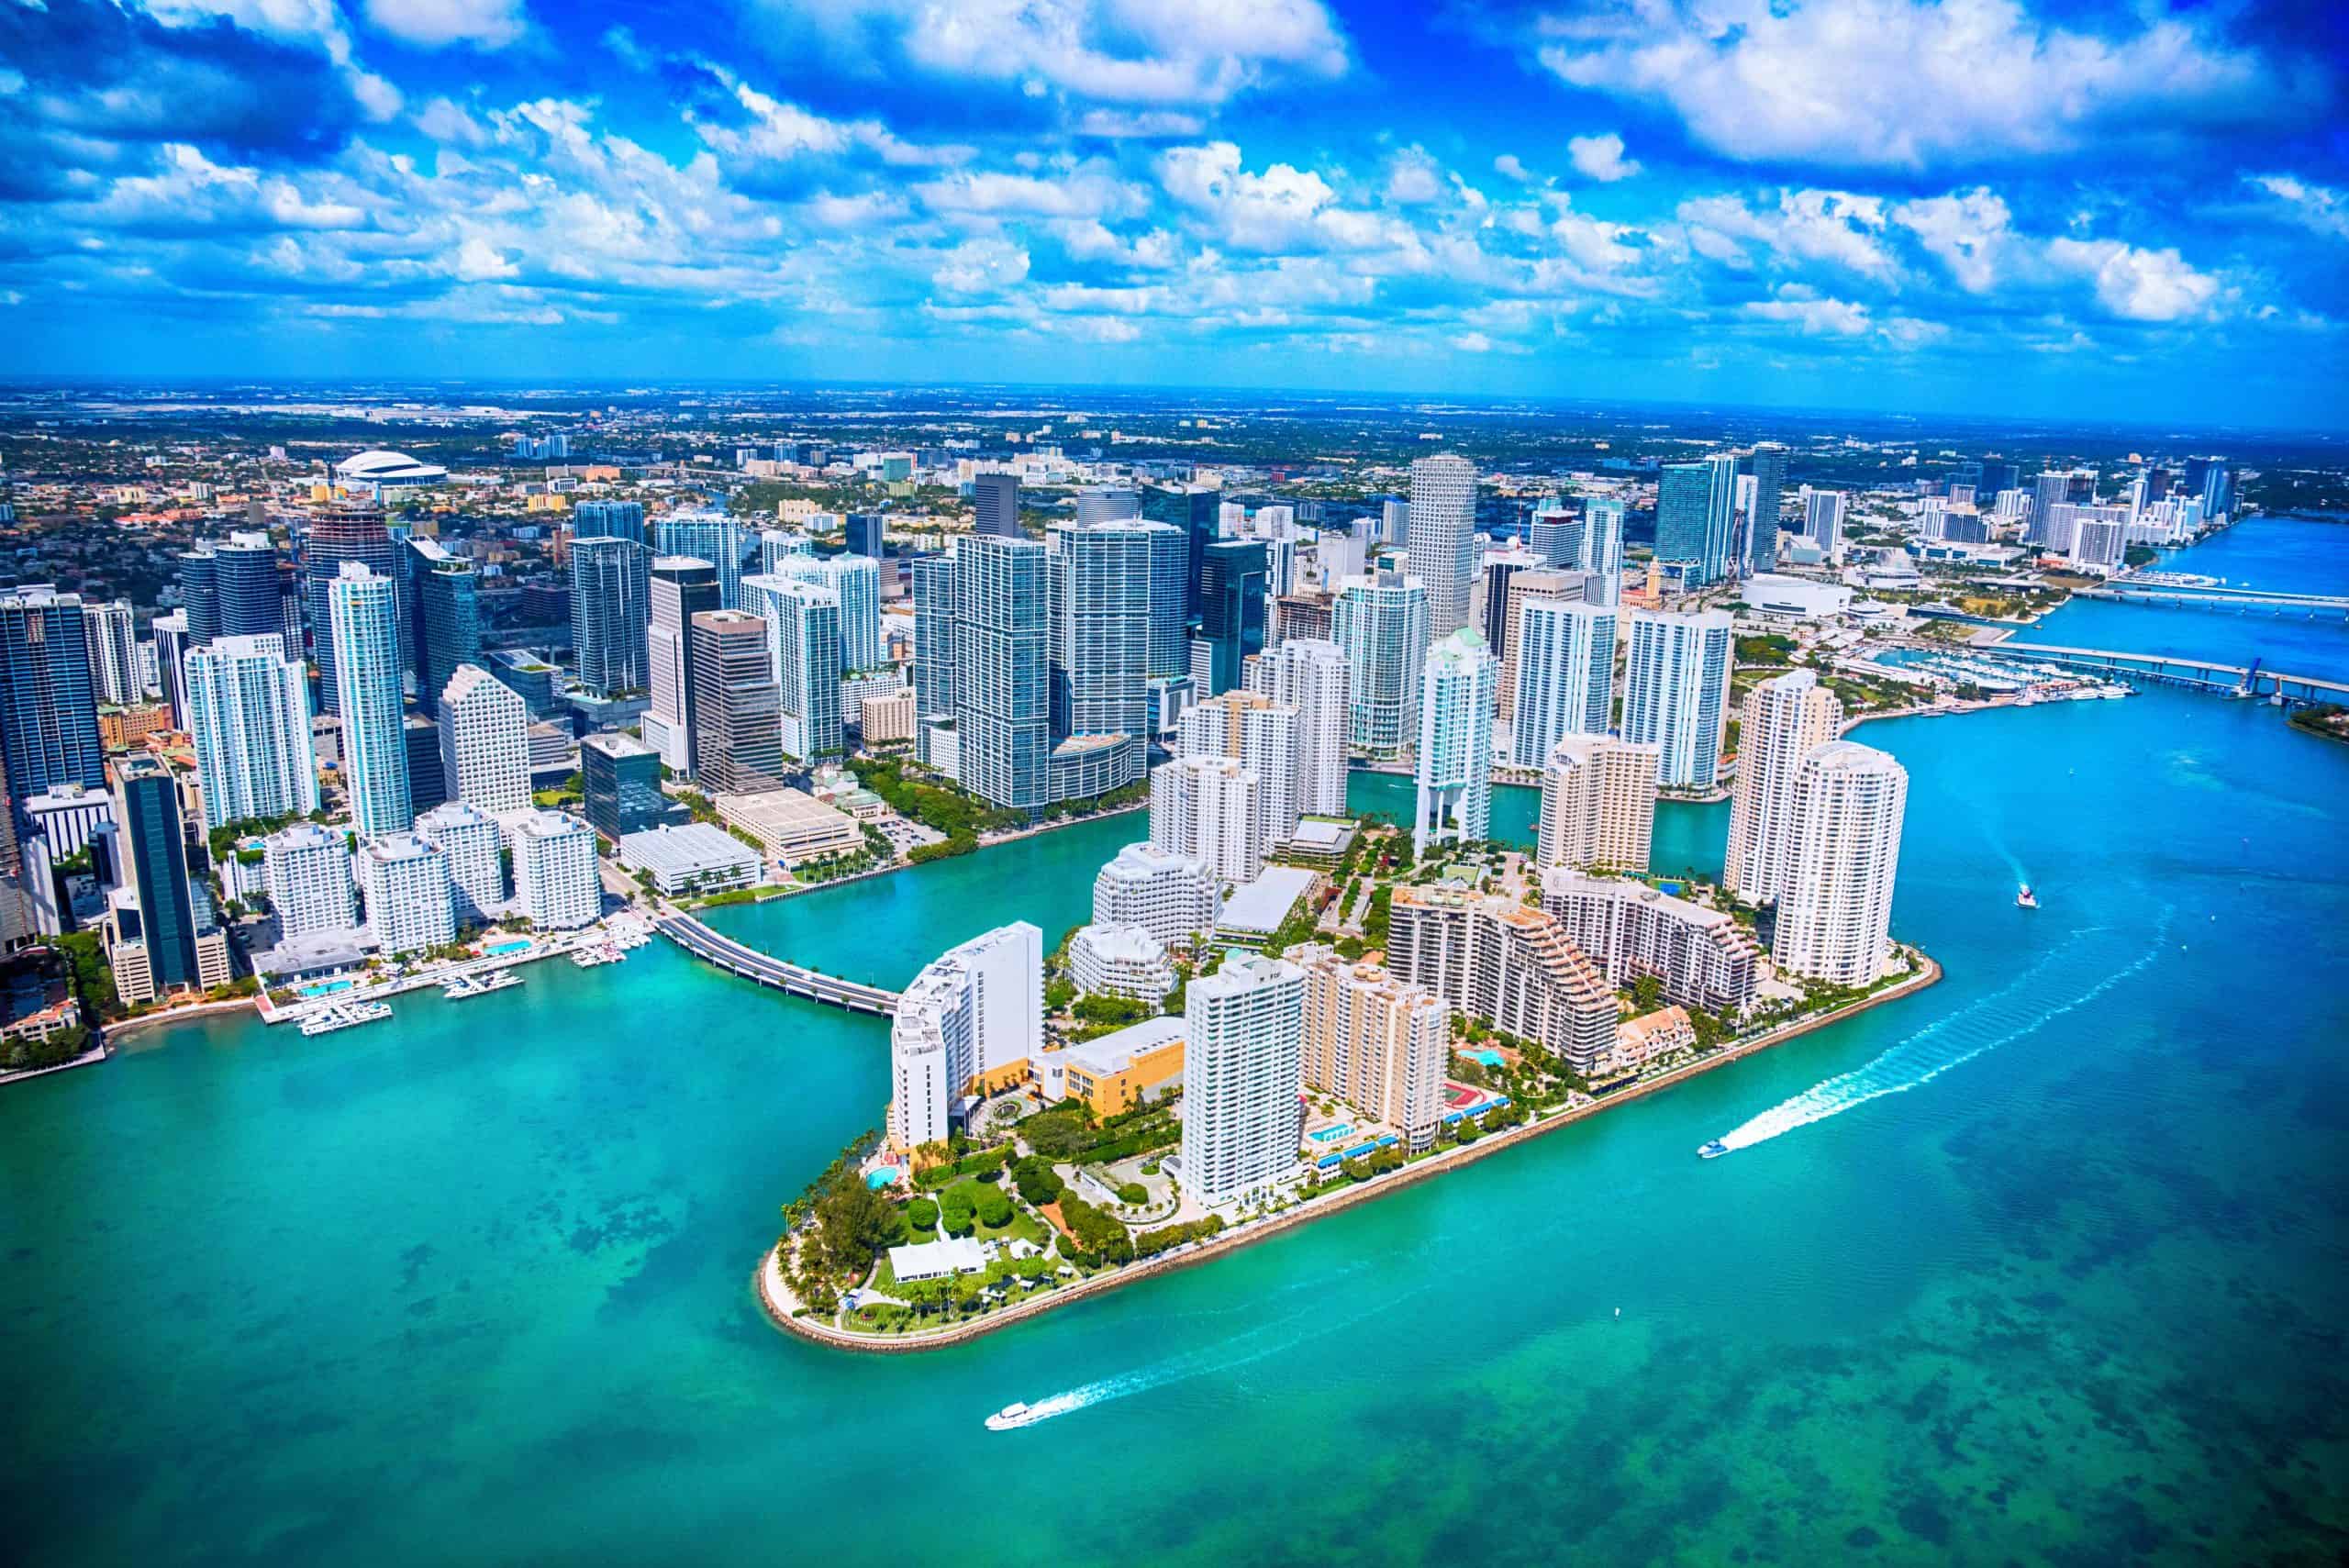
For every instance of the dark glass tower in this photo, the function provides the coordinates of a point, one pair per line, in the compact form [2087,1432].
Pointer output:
[1232,610]
[340,533]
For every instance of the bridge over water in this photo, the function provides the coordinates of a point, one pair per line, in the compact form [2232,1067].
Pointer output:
[2173,670]
[2213,597]
[751,964]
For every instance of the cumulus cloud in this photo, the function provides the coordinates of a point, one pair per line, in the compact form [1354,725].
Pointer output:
[436,24]
[1902,84]
[1835,228]
[1509,166]
[2317,207]
[2137,284]
[1601,158]
[1969,231]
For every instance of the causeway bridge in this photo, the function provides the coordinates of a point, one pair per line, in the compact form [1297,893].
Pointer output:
[2177,670]
[2213,597]
[751,964]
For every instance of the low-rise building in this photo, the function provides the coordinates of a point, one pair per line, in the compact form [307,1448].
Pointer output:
[1651,1036]
[1120,961]
[1116,1071]
[691,858]
[793,824]
[1256,909]
[889,716]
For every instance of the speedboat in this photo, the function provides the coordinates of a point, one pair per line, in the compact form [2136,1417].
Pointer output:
[1015,1414]
[2026,899]
[1713,1150]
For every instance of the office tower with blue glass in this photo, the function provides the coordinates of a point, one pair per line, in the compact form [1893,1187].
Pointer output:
[339,533]
[363,623]
[1197,511]
[714,537]
[1762,524]
[995,502]
[1232,590]
[48,709]
[442,602]
[804,647]
[611,584]
[609,519]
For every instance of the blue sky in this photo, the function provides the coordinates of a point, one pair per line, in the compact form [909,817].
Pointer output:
[2136,211]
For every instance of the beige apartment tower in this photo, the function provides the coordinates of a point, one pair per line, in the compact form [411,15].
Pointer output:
[1597,804]
[1375,1043]
[1785,718]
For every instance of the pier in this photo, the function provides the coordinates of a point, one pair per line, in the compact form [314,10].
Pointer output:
[751,964]
[2177,670]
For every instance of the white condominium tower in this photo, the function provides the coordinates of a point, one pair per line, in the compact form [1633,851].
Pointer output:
[967,1025]
[1565,656]
[1835,911]
[485,742]
[1171,895]
[1242,1067]
[856,580]
[1443,538]
[1374,1041]
[1784,717]
[115,675]
[1206,807]
[803,646]
[1602,548]
[681,588]
[307,870]
[555,879]
[1675,692]
[407,883]
[249,714]
[1310,676]
[1455,759]
[1597,804]
[1261,736]
[1380,623]
[362,613]
[471,842]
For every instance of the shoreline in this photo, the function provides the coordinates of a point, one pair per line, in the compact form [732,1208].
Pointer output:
[767,1278]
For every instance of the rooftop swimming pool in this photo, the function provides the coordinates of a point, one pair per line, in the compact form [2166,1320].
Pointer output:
[1332,1134]
[325,987]
[500,949]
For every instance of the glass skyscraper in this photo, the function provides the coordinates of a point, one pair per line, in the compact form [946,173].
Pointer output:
[1381,625]
[1762,526]
[336,535]
[611,585]
[855,580]
[245,579]
[1002,707]
[1443,540]
[443,605]
[363,622]
[48,709]
[1198,510]
[1675,693]
[934,640]
[609,519]
[1231,610]
[1100,626]
[804,642]
[714,537]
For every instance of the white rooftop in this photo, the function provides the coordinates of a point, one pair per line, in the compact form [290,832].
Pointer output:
[935,1259]
[1260,905]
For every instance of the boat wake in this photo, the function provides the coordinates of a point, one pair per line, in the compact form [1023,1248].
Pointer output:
[1241,1350]
[2000,1020]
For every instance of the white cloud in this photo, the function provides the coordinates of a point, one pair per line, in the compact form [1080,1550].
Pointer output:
[979,266]
[1828,227]
[2137,284]
[1412,178]
[449,123]
[1601,158]
[1815,315]
[1509,166]
[1969,231]
[2321,208]
[478,261]
[435,24]
[1472,343]
[1901,83]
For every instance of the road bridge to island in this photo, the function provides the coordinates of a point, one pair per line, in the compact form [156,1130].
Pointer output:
[751,964]
[2179,670]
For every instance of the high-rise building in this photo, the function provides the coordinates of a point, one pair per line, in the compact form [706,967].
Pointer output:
[1511,966]
[1375,1042]
[1443,538]
[409,907]
[1208,808]
[1702,957]
[1196,510]
[867,534]
[611,591]
[1836,907]
[1170,599]
[680,588]
[935,640]
[1394,522]
[1311,676]
[1565,587]
[620,777]
[1695,514]
[1784,717]
[245,587]
[306,870]
[113,638]
[1597,804]
[737,732]
[1498,571]
[472,848]
[340,533]
[965,1027]
[1564,658]
[994,503]
[1002,678]
[856,581]
[555,880]
[48,709]
[804,642]
[1602,550]
[1456,757]
[485,742]
[1555,535]
[249,715]
[1381,625]
[1822,520]
[1171,895]
[160,934]
[200,594]
[1243,1068]
[1762,520]
[1106,504]
[1261,736]
[171,650]
[1100,580]
[428,786]
[362,626]
[1675,692]
[2218,491]
[712,536]
[609,519]
[441,598]
[1233,586]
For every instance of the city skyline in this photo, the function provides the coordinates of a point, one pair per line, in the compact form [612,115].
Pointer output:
[1808,207]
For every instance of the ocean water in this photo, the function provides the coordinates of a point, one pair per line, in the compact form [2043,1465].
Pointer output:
[2046,1265]
[2284,554]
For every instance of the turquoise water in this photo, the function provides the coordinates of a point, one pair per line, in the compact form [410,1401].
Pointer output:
[326,987]
[2285,554]
[2045,1265]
